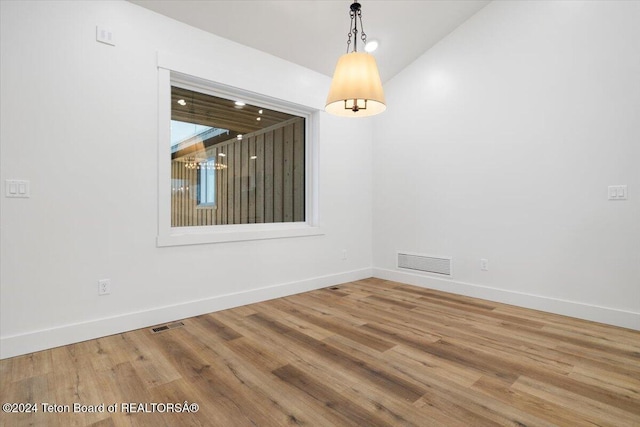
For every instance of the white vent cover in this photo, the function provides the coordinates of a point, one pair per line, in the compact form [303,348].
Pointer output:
[428,264]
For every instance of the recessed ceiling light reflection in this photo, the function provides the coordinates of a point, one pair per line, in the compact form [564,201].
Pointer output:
[371,45]
[240,103]
[221,155]
[182,102]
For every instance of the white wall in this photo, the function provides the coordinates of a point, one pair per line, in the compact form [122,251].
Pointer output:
[500,142]
[79,120]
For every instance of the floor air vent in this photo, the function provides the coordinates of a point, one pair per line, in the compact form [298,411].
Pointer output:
[425,263]
[167,327]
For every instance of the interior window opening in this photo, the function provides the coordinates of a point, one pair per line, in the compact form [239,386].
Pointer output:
[233,162]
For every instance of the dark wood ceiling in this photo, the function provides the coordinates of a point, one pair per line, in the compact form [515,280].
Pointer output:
[221,113]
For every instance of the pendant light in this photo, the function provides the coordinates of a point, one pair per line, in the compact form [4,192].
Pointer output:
[356,89]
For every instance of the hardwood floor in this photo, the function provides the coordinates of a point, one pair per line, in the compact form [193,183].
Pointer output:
[367,353]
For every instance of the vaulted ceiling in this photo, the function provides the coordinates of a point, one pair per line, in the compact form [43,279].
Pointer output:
[313,33]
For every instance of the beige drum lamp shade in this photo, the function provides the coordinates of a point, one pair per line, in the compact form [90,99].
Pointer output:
[356,89]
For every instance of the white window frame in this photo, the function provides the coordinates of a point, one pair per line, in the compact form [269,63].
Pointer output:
[188,75]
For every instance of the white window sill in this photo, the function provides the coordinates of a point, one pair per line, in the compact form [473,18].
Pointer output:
[179,236]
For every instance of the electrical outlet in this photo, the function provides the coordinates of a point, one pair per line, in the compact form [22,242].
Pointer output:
[484,264]
[105,35]
[104,287]
[344,254]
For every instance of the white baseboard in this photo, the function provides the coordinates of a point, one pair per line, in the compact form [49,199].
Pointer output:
[30,342]
[610,316]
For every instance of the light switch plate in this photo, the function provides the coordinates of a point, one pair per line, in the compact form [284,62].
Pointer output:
[18,188]
[617,192]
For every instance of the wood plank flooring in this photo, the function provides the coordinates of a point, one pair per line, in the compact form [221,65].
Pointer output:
[365,353]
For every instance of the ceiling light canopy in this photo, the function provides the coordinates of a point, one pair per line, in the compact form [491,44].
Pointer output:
[356,89]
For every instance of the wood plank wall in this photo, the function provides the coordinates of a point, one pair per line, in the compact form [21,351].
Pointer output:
[269,188]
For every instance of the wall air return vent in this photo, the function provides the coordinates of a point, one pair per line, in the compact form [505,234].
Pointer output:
[425,263]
